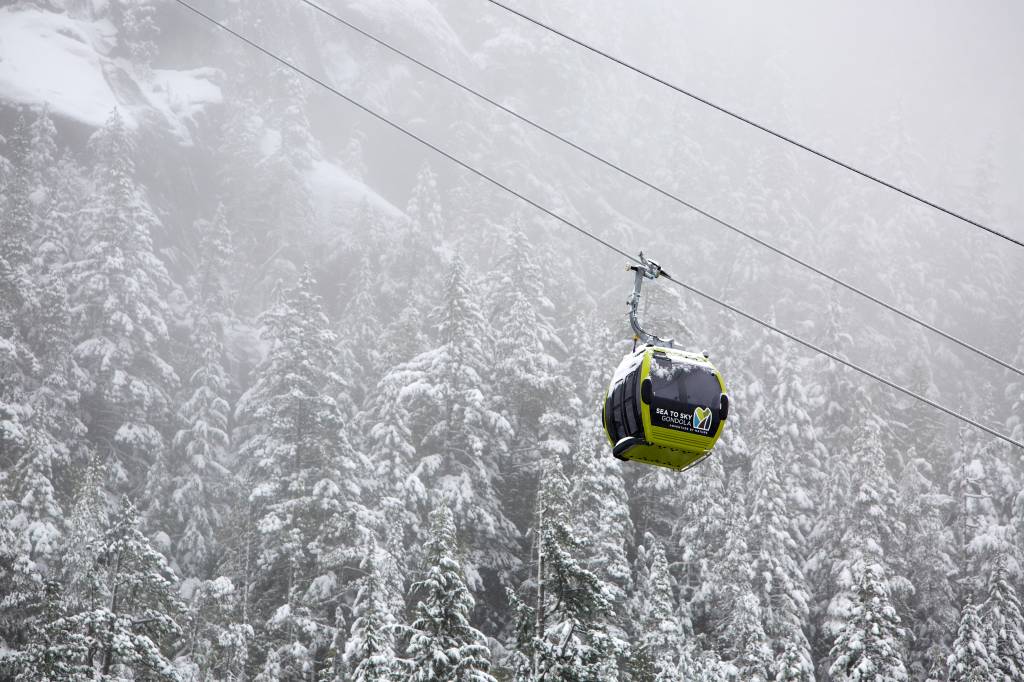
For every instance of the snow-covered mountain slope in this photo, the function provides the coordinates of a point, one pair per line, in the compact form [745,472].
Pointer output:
[53,59]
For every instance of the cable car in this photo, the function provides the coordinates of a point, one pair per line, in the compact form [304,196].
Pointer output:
[664,406]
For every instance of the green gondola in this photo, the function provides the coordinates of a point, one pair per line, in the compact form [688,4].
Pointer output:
[664,406]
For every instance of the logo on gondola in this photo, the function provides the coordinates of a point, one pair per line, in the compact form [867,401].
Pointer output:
[702,419]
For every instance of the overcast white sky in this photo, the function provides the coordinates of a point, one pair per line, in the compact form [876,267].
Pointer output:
[952,69]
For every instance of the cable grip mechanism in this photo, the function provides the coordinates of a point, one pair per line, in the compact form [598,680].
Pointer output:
[646,269]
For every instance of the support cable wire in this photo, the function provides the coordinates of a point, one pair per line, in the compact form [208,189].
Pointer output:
[763,128]
[665,193]
[565,221]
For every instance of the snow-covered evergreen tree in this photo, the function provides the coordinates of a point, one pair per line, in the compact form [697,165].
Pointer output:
[1004,621]
[927,550]
[775,544]
[216,643]
[303,474]
[21,589]
[130,615]
[800,452]
[792,664]
[188,495]
[983,509]
[119,292]
[53,652]
[658,625]
[86,522]
[869,645]
[700,528]
[971,660]
[736,609]
[566,636]
[370,654]
[867,529]
[443,645]
[460,433]
[602,516]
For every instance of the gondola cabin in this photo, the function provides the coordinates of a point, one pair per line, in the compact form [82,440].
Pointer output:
[665,407]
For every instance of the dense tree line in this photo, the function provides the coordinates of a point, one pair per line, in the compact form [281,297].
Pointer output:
[269,453]
[428,497]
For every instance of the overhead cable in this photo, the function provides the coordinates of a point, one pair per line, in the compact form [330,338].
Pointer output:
[760,126]
[665,193]
[565,221]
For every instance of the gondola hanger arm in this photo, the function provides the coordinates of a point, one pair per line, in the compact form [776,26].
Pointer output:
[645,269]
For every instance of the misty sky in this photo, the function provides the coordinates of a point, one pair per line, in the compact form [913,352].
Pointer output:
[954,72]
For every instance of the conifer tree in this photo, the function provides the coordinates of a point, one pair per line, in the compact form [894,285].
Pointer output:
[832,393]
[926,432]
[188,495]
[268,152]
[37,424]
[753,657]
[416,238]
[971,660]
[526,376]
[53,652]
[290,218]
[216,643]
[775,542]
[927,557]
[527,381]
[16,358]
[30,516]
[369,654]
[729,596]
[792,665]
[442,644]
[983,510]
[361,333]
[384,422]
[658,625]
[868,645]
[1004,621]
[566,636]
[602,516]
[59,214]
[119,302]
[518,275]
[458,429]
[21,588]
[303,474]
[56,396]
[86,522]
[424,207]
[800,451]
[42,155]
[869,528]
[38,518]
[17,224]
[130,615]
[701,524]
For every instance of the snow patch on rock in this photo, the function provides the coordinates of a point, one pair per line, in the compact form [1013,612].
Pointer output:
[51,58]
[181,95]
[334,189]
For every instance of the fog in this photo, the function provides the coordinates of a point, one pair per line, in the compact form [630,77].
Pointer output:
[332,400]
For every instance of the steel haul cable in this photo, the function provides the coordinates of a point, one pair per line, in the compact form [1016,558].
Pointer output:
[665,193]
[565,221]
[763,128]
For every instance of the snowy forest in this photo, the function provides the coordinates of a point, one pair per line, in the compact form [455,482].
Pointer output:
[284,395]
